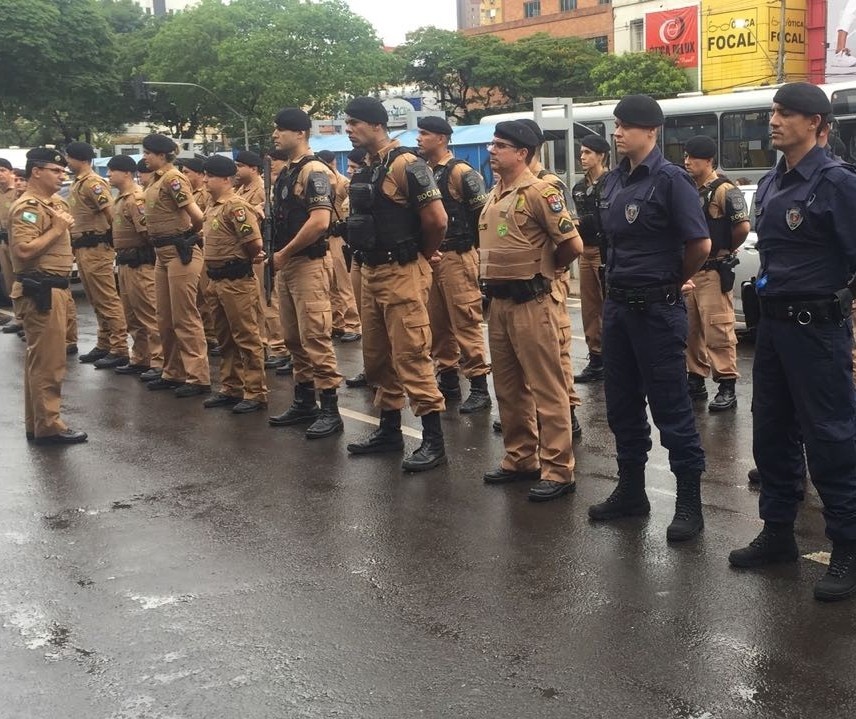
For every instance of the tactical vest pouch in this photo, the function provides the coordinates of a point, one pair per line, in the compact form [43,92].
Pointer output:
[361,232]
[39,288]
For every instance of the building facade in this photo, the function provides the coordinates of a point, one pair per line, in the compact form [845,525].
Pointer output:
[164,7]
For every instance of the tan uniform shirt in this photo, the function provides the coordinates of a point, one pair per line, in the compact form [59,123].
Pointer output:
[28,220]
[340,186]
[254,193]
[129,219]
[202,197]
[88,196]
[520,227]
[167,192]
[230,224]
[7,198]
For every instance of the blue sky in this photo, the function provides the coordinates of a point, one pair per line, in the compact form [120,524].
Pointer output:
[394,18]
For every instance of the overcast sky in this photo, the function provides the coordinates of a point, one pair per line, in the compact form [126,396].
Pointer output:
[394,18]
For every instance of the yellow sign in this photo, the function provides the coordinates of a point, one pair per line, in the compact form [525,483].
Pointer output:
[728,35]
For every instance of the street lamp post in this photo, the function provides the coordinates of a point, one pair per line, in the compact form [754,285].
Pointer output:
[222,102]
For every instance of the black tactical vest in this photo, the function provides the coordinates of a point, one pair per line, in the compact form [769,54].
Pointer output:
[720,227]
[289,212]
[459,223]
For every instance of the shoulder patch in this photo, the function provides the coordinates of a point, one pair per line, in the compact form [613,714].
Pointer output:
[554,199]
[240,214]
[30,217]
[175,184]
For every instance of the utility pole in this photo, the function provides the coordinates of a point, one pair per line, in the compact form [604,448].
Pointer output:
[780,64]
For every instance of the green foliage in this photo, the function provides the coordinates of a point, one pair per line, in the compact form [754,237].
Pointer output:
[650,73]
[549,66]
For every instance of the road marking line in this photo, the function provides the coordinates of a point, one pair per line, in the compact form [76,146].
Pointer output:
[368,419]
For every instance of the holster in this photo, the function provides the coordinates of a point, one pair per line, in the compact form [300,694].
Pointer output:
[751,305]
[184,247]
[361,232]
[844,302]
[39,288]
[726,277]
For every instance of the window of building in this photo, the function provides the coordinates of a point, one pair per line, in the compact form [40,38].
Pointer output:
[677,130]
[745,140]
[604,2]
[601,44]
[567,5]
[159,7]
[532,8]
[636,35]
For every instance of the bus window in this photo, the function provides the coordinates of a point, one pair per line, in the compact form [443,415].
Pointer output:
[745,140]
[678,129]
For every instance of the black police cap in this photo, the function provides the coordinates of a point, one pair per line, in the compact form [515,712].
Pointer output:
[517,133]
[595,143]
[5,164]
[80,151]
[247,157]
[639,110]
[292,118]
[536,129]
[191,163]
[326,156]
[367,109]
[357,155]
[701,147]
[142,166]
[220,166]
[160,144]
[435,124]
[40,156]
[803,97]
[123,163]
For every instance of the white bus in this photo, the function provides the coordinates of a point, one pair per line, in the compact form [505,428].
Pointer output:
[737,121]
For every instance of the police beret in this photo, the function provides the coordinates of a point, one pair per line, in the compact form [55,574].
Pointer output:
[595,142]
[191,163]
[517,133]
[246,157]
[292,118]
[435,124]
[535,127]
[280,155]
[123,163]
[803,97]
[639,110]
[357,155]
[5,164]
[367,109]
[80,151]
[142,166]
[40,156]
[160,144]
[220,166]
[326,156]
[701,147]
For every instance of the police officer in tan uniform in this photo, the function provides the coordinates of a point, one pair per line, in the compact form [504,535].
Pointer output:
[302,211]
[40,245]
[397,222]
[346,317]
[174,221]
[144,173]
[526,237]
[233,242]
[455,300]
[91,205]
[711,340]
[135,258]
[8,195]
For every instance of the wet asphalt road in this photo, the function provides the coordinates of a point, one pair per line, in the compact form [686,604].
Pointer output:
[188,563]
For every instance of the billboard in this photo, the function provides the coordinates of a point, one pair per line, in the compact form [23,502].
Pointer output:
[840,40]
[674,33]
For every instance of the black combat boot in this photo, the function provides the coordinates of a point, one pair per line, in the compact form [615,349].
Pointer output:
[386,438]
[593,371]
[688,520]
[329,420]
[479,399]
[432,451]
[726,397]
[695,385]
[449,384]
[839,582]
[775,543]
[628,499]
[303,409]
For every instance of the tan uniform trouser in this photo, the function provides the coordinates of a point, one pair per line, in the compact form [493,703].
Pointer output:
[711,340]
[345,314]
[561,292]
[591,298]
[455,309]
[272,332]
[71,321]
[526,346]
[206,309]
[137,289]
[95,266]
[8,274]
[307,320]
[397,336]
[357,284]
[44,366]
[237,314]
[183,337]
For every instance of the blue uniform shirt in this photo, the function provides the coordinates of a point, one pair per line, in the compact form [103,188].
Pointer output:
[806,224]
[648,216]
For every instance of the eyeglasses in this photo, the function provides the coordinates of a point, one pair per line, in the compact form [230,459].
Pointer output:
[501,146]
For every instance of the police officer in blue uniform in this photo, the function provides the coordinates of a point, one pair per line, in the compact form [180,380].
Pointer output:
[657,239]
[802,376]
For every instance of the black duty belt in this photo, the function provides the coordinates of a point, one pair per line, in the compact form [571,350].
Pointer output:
[61,282]
[712,264]
[403,255]
[233,270]
[167,240]
[39,287]
[91,239]
[640,297]
[315,251]
[457,244]
[803,311]
[518,290]
[135,256]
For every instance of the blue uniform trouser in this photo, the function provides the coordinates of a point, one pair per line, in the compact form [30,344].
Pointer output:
[643,357]
[802,386]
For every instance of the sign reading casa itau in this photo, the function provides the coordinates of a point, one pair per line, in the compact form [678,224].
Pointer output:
[740,44]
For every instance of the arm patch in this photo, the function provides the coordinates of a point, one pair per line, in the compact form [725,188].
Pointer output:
[735,206]
[474,190]
[421,185]
[319,191]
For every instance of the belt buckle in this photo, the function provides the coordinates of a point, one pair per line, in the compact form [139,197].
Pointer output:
[804,317]
[671,298]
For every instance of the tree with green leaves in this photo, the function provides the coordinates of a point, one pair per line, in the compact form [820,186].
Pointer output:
[649,73]
[547,66]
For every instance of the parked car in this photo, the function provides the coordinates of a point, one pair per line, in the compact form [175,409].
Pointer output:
[750,261]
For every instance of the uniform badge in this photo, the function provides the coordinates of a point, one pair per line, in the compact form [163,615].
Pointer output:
[175,185]
[565,225]
[631,212]
[241,214]
[521,203]
[246,229]
[502,230]
[29,217]
[215,225]
[794,218]
[554,200]
[98,189]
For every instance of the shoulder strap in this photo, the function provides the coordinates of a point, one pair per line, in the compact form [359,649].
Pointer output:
[711,192]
